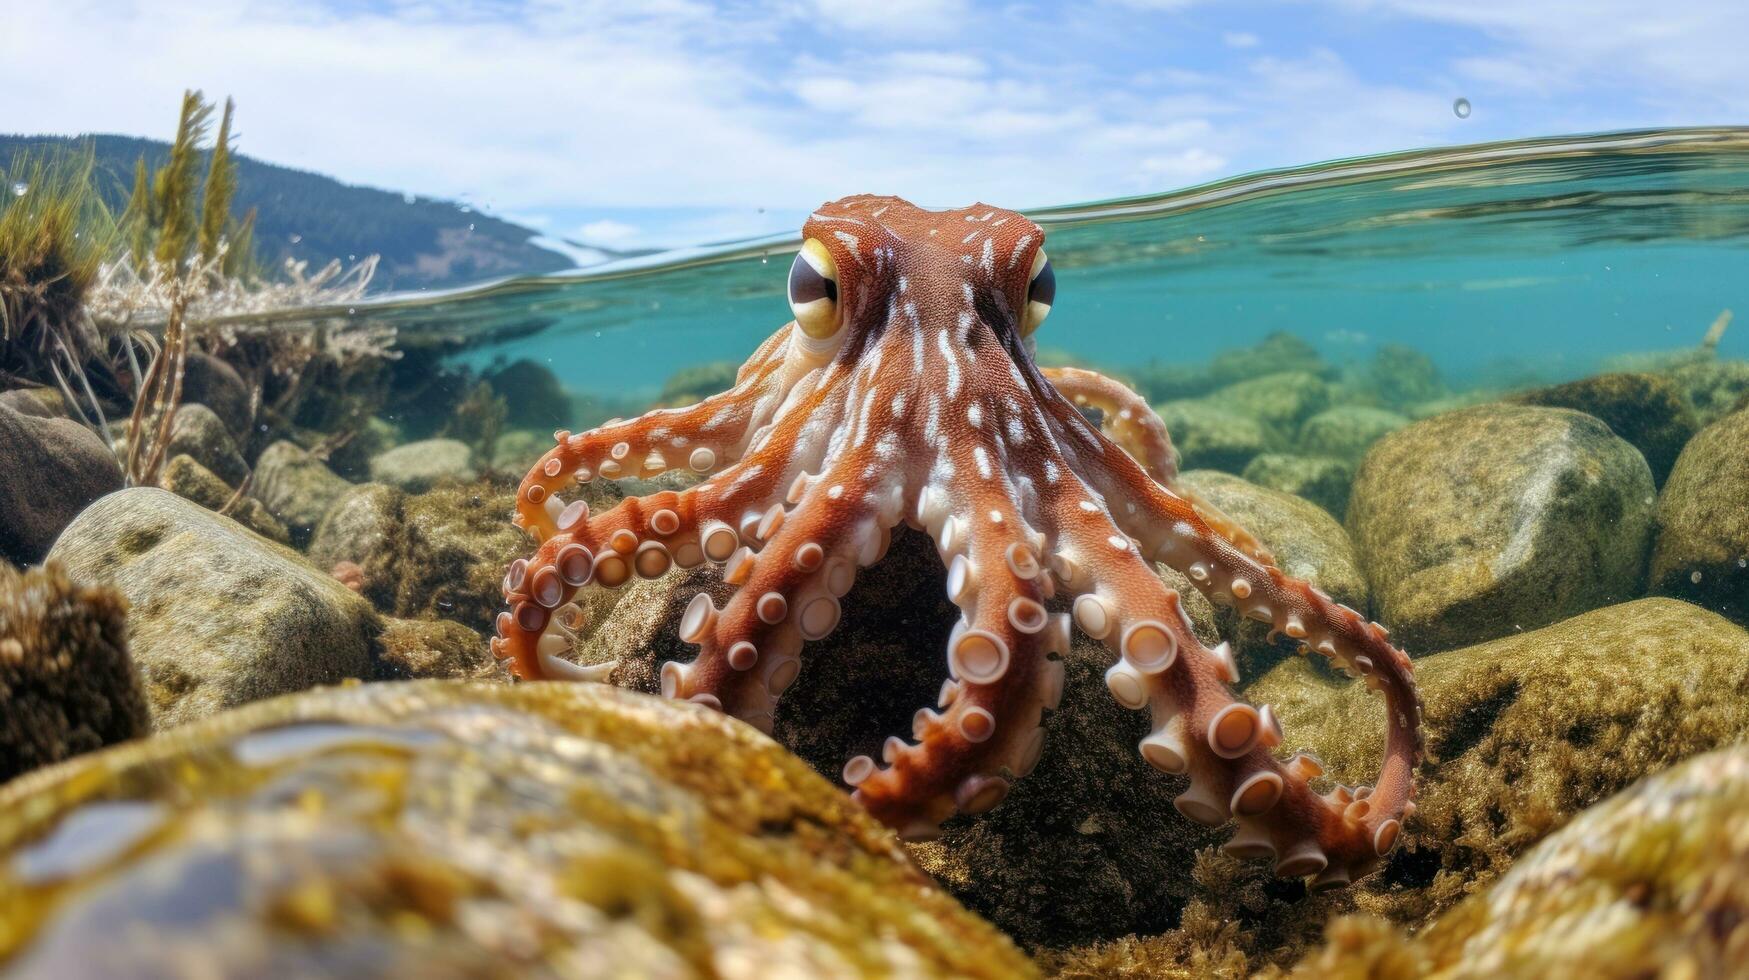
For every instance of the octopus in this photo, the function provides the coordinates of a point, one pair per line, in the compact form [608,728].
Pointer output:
[906,389]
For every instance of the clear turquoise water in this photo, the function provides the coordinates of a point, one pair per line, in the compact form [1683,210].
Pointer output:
[1509,262]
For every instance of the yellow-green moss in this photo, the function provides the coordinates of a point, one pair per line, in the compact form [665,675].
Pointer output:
[538,829]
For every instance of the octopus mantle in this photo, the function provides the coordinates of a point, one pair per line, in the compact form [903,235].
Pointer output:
[906,390]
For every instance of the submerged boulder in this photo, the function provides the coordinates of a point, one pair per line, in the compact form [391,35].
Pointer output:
[1210,436]
[221,616]
[1281,401]
[1499,518]
[1653,881]
[436,828]
[1321,480]
[67,685]
[199,433]
[1346,431]
[418,466]
[296,486]
[50,469]
[1647,410]
[188,479]
[433,649]
[1703,521]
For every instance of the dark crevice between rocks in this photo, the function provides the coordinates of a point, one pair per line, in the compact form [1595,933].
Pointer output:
[1474,723]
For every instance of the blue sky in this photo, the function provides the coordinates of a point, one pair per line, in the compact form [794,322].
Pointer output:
[675,122]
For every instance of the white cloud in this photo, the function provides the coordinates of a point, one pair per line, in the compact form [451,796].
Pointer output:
[1239,39]
[907,18]
[608,232]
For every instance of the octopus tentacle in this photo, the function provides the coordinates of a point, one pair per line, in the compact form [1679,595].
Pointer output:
[786,593]
[1339,835]
[1126,417]
[964,757]
[705,438]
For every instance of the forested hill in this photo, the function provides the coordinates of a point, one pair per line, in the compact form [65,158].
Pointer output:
[423,242]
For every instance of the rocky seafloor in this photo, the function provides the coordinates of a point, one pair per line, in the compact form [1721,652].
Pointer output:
[211,772]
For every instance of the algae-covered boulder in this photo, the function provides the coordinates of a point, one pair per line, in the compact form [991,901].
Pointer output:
[1208,435]
[67,684]
[186,478]
[220,615]
[198,432]
[1280,401]
[1278,352]
[1525,732]
[1702,552]
[418,466]
[1499,518]
[1715,387]
[443,829]
[1307,543]
[1653,882]
[50,468]
[296,486]
[421,649]
[1321,480]
[440,554]
[209,381]
[1346,431]
[1647,410]
[1399,376]
[533,396]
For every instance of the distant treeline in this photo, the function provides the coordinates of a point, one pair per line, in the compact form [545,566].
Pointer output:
[305,216]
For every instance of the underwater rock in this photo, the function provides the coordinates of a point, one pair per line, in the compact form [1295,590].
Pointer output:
[517,450]
[1281,401]
[1278,352]
[39,402]
[67,685]
[436,555]
[532,393]
[1653,881]
[696,382]
[1647,410]
[1702,552]
[1209,436]
[1160,381]
[1714,387]
[209,381]
[52,468]
[296,486]
[1346,431]
[351,458]
[1524,732]
[220,616]
[1450,403]
[1321,480]
[188,479]
[1400,376]
[443,829]
[433,649]
[1307,543]
[418,466]
[1489,520]
[199,433]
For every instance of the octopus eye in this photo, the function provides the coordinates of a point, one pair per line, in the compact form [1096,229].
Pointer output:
[1041,294]
[813,290]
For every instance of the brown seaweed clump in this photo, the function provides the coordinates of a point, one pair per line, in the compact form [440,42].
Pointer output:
[67,684]
[435,828]
[1652,882]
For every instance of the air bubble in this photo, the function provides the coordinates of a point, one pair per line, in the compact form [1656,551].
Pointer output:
[1694,576]
[1461,108]
[20,189]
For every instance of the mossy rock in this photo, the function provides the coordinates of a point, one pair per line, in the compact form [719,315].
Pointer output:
[419,466]
[1399,376]
[437,828]
[1321,480]
[1702,552]
[296,486]
[1525,732]
[1647,410]
[220,616]
[67,684]
[433,649]
[1280,401]
[1210,436]
[1499,518]
[1278,352]
[1652,882]
[50,470]
[1307,543]
[532,394]
[696,382]
[1715,387]
[186,478]
[1346,431]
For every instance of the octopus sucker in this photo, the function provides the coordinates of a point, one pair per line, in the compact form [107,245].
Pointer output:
[905,391]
